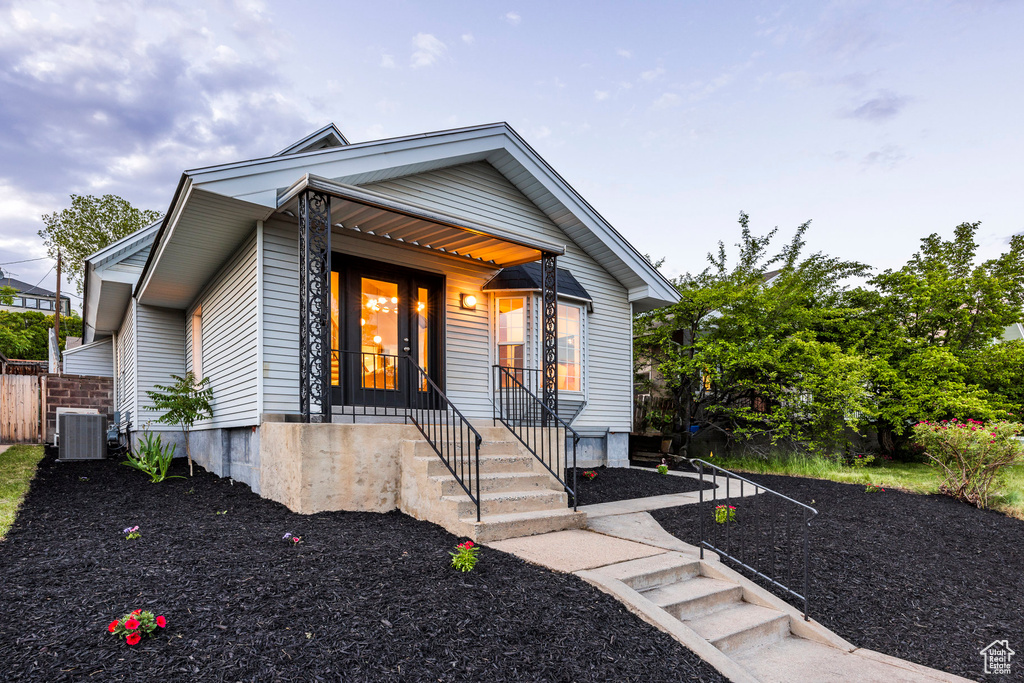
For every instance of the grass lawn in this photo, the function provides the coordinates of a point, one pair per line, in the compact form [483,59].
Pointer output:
[911,477]
[17,467]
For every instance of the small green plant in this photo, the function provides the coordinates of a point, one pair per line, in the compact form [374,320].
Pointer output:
[725,513]
[291,540]
[184,403]
[152,458]
[972,455]
[131,533]
[132,627]
[222,512]
[589,475]
[861,460]
[663,467]
[464,557]
[871,488]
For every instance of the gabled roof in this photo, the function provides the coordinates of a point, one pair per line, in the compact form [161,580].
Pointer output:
[326,138]
[263,181]
[25,288]
[528,277]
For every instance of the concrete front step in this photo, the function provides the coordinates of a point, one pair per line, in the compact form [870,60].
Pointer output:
[489,464]
[742,626]
[501,482]
[516,524]
[697,597]
[661,571]
[505,502]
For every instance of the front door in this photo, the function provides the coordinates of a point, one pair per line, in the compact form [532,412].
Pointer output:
[379,314]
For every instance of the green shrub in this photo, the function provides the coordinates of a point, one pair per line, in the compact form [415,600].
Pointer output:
[972,455]
[152,457]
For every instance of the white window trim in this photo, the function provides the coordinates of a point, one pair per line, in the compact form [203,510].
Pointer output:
[584,348]
[197,343]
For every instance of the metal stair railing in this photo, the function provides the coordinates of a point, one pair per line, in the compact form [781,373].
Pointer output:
[535,425]
[767,536]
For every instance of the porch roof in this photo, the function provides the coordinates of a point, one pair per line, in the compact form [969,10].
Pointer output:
[383,217]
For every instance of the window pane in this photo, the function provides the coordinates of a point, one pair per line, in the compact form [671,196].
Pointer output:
[335,333]
[422,338]
[570,349]
[46,304]
[511,321]
[379,322]
[31,303]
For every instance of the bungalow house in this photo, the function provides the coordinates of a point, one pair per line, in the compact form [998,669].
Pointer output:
[436,322]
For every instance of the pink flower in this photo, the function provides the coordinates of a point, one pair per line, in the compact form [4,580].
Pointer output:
[113,625]
[161,621]
[131,624]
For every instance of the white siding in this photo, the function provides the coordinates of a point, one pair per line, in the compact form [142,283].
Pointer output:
[159,347]
[95,359]
[280,317]
[478,191]
[229,344]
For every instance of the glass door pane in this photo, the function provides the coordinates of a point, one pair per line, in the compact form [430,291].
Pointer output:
[422,333]
[379,333]
[335,329]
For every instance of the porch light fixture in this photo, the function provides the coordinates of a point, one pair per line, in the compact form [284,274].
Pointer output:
[467,301]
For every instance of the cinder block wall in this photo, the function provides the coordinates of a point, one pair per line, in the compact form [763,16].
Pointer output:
[76,391]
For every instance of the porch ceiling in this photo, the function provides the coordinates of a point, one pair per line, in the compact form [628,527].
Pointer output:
[382,217]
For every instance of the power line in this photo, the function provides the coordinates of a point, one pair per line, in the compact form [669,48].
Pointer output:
[11,263]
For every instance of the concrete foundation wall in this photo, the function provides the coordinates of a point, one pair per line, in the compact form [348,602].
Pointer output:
[229,452]
[313,468]
[611,450]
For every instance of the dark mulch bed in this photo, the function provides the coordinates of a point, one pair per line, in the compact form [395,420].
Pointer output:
[364,597]
[923,578]
[620,483]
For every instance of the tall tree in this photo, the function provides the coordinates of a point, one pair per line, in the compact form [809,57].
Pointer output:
[88,225]
[761,347]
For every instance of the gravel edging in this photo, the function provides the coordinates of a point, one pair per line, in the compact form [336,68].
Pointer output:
[364,597]
[922,578]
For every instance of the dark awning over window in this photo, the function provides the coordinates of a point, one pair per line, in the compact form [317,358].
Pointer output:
[527,277]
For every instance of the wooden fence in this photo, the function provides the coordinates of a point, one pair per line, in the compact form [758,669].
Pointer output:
[19,409]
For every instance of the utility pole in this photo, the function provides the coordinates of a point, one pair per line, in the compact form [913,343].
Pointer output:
[56,321]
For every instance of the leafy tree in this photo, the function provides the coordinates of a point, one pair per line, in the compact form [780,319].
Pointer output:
[184,402]
[88,225]
[7,294]
[26,334]
[933,338]
[760,347]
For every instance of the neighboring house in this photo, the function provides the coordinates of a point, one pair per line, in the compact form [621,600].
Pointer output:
[32,298]
[314,285]
[1014,332]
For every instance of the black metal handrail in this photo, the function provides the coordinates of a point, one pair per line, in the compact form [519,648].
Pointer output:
[446,429]
[754,546]
[387,385]
[535,425]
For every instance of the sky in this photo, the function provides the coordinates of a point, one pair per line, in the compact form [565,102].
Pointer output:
[881,122]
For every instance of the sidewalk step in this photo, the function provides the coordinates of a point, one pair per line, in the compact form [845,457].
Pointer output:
[513,525]
[740,627]
[652,572]
[505,502]
[697,597]
[489,464]
[496,482]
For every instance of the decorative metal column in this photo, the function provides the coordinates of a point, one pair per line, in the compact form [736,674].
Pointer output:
[549,327]
[314,306]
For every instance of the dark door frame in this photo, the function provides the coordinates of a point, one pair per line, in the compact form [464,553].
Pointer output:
[351,269]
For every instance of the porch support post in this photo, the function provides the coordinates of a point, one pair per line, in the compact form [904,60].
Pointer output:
[314,306]
[549,327]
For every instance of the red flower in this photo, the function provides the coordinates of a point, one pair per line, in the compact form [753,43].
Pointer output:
[467,545]
[131,624]
[161,621]
[138,611]
[134,638]
[112,626]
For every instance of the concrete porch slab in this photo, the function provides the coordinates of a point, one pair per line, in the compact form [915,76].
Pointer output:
[642,528]
[574,550]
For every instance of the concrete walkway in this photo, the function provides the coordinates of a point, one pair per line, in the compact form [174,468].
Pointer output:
[745,632]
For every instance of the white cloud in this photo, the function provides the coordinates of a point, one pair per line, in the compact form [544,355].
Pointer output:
[428,50]
[653,74]
[622,52]
[541,133]
[468,38]
[512,18]
[600,95]
[387,62]
[667,101]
